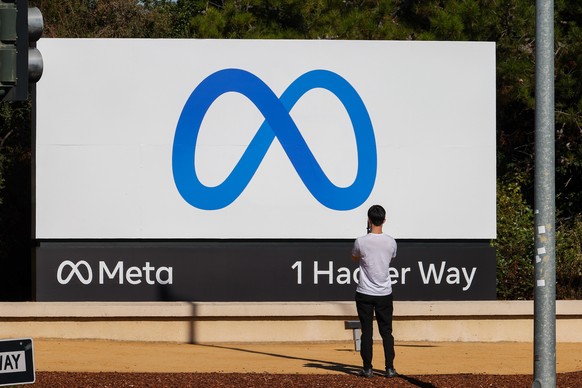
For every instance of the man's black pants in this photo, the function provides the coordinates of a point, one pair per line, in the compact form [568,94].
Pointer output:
[383,307]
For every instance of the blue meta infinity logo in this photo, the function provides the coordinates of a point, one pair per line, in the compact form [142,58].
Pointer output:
[277,123]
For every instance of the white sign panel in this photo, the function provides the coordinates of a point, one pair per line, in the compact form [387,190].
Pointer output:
[264,138]
[12,362]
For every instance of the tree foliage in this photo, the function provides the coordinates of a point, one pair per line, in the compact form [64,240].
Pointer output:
[514,243]
[15,201]
[509,23]
[569,260]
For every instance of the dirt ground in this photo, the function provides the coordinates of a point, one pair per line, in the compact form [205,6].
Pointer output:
[306,358]
[85,363]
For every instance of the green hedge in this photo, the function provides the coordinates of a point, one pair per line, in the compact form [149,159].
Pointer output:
[569,259]
[514,243]
[515,248]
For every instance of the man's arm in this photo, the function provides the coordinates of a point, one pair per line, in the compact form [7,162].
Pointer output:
[356,255]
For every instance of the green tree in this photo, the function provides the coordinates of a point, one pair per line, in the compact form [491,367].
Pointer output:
[105,18]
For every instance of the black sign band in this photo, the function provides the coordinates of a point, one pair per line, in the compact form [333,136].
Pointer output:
[259,271]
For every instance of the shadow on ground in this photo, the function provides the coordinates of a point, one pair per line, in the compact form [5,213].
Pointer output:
[328,365]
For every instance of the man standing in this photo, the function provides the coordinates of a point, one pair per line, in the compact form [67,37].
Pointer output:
[374,252]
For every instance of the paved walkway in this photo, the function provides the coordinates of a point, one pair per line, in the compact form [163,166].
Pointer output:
[412,358]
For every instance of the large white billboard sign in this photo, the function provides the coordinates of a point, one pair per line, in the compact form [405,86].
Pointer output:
[264,139]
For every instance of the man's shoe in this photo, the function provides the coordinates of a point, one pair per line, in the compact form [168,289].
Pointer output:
[391,372]
[366,373]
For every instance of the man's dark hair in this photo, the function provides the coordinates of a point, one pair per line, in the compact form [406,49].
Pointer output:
[377,215]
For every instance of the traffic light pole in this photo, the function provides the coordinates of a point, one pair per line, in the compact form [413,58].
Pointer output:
[545,209]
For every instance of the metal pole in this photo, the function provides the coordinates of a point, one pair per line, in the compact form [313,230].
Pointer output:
[545,208]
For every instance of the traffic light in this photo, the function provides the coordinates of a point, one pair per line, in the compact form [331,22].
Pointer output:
[7,47]
[20,61]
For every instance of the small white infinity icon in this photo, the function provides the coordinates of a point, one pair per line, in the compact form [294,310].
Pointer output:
[74,271]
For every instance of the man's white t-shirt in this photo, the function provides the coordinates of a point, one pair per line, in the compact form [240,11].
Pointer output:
[375,251]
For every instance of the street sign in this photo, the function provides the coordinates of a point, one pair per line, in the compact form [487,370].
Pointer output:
[16,362]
